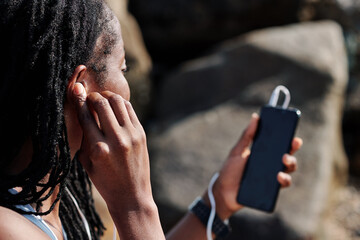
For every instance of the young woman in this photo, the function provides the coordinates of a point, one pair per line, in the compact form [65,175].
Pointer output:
[65,116]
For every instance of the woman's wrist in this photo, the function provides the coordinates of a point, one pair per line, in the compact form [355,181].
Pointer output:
[203,213]
[222,212]
[137,220]
[144,205]
[225,206]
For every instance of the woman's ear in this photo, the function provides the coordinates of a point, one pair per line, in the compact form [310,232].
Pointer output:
[77,76]
[74,130]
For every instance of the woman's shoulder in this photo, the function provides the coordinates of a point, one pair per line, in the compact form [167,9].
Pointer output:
[15,226]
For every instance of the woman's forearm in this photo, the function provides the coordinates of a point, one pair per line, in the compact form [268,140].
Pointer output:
[189,227]
[138,222]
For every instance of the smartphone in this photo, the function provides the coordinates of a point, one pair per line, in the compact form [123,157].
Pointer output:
[259,187]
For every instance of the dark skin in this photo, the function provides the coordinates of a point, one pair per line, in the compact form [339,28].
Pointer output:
[103,127]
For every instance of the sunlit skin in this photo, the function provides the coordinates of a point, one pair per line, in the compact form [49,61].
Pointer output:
[103,127]
[115,82]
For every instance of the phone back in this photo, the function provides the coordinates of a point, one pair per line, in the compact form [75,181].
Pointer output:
[259,187]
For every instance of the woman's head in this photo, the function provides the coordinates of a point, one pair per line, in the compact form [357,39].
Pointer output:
[42,43]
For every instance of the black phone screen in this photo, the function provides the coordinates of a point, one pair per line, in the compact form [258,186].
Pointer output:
[259,186]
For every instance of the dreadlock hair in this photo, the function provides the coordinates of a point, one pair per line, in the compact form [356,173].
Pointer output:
[41,43]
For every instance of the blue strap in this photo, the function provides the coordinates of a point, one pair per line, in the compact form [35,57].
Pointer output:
[37,220]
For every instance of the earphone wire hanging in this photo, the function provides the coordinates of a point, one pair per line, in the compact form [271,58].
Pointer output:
[275,96]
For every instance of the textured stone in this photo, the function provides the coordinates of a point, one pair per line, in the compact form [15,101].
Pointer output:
[179,29]
[351,129]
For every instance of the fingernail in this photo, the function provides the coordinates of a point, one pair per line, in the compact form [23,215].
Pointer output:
[288,159]
[288,178]
[285,176]
[79,89]
[254,115]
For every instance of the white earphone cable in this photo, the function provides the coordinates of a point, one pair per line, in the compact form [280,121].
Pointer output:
[213,207]
[83,218]
[275,96]
[114,233]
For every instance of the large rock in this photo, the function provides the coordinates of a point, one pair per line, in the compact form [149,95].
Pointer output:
[344,12]
[205,105]
[351,128]
[179,29]
[347,13]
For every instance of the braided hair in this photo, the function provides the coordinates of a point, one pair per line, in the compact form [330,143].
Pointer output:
[41,43]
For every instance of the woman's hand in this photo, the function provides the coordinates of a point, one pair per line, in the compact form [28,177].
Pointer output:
[226,187]
[113,150]
[114,154]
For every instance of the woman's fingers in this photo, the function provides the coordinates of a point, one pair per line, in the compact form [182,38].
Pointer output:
[86,120]
[284,179]
[108,121]
[118,105]
[122,109]
[296,145]
[132,115]
[247,136]
[290,163]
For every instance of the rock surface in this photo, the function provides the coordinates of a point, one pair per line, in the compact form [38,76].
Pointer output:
[344,12]
[179,29]
[347,13]
[351,128]
[205,105]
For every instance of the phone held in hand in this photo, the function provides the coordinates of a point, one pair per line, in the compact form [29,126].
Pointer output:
[259,187]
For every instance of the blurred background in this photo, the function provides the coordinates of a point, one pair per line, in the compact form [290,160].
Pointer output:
[200,68]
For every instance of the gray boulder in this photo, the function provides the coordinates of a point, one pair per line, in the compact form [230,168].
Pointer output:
[205,105]
[351,128]
[179,29]
[344,12]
